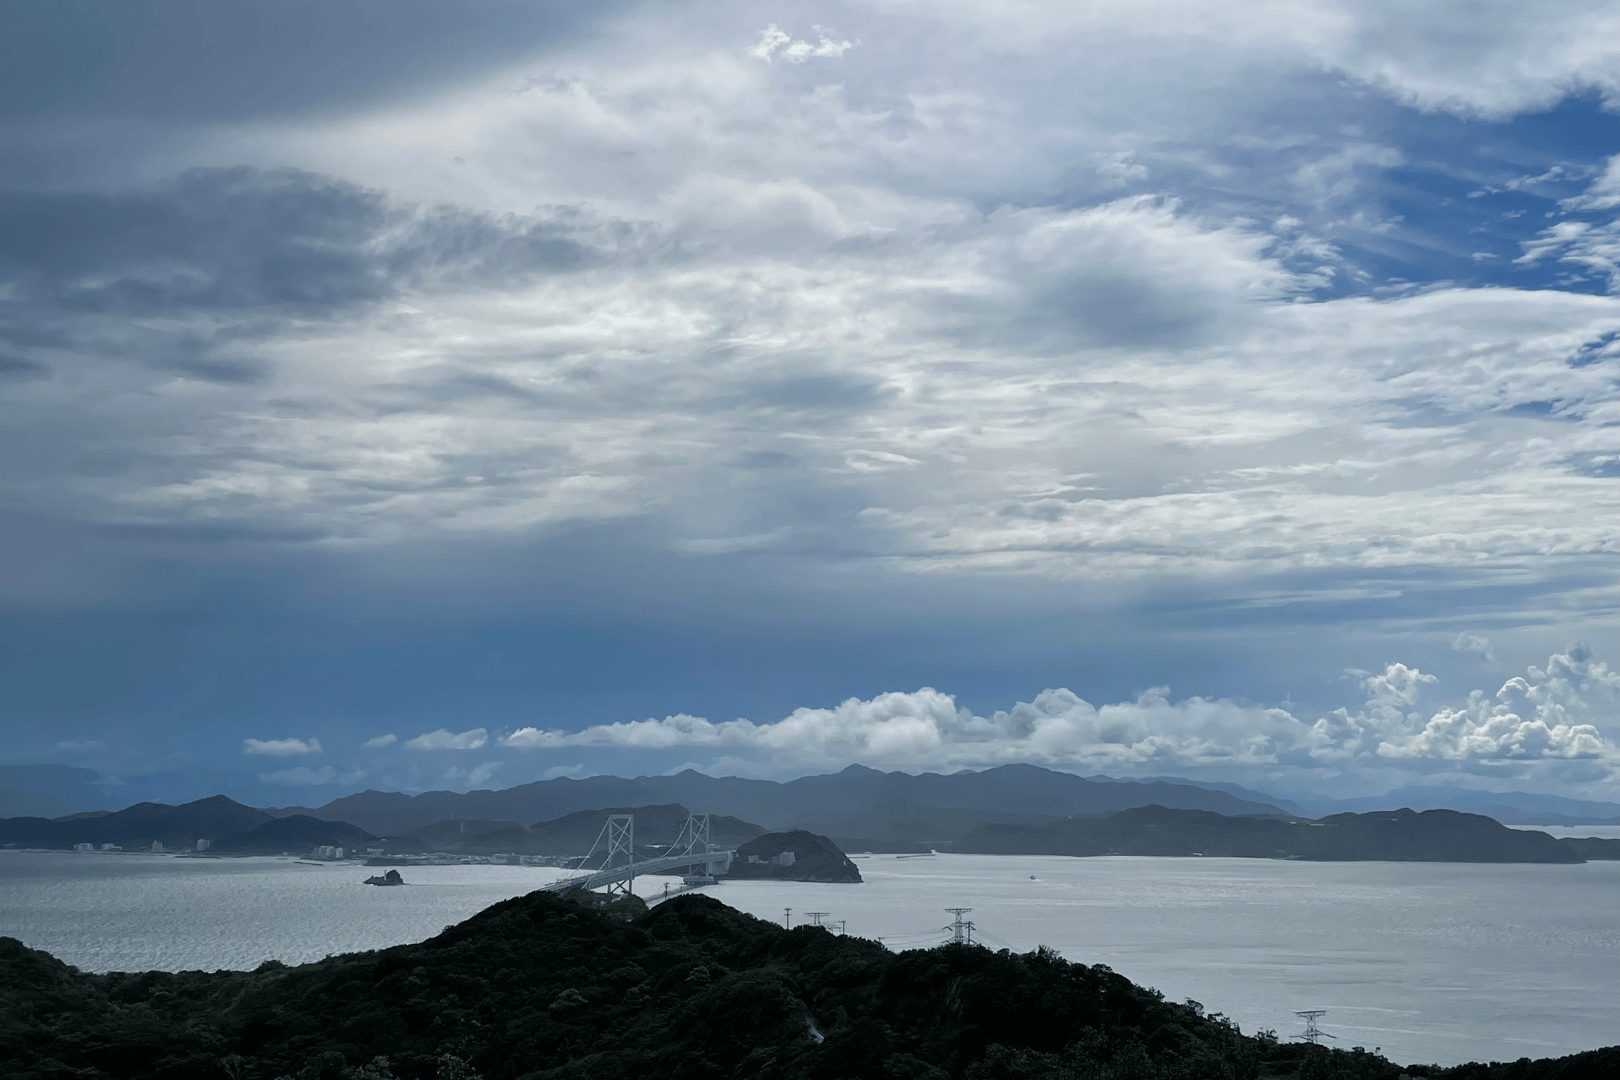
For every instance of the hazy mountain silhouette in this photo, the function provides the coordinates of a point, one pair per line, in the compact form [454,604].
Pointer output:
[856,802]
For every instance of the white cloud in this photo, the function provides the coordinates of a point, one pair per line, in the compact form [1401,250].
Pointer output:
[289,747]
[1544,716]
[775,42]
[305,776]
[378,742]
[441,739]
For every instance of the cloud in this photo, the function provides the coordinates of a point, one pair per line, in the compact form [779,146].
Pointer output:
[305,776]
[289,747]
[1473,644]
[378,742]
[1542,716]
[475,776]
[441,739]
[1113,299]
[775,42]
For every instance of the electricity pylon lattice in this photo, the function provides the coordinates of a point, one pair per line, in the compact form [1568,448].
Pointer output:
[961,930]
[1312,1034]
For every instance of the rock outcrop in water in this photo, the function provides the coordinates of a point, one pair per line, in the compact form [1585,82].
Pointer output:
[391,878]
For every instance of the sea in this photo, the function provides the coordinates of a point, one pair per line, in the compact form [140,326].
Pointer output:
[1427,962]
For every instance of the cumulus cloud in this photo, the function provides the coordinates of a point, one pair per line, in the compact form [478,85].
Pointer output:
[442,739]
[378,742]
[289,747]
[1544,715]
[305,776]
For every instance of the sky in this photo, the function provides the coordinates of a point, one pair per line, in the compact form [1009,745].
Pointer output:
[413,396]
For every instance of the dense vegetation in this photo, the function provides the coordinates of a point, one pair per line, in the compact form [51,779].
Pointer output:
[815,858]
[545,987]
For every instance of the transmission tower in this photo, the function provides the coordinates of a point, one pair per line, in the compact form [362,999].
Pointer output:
[840,925]
[961,930]
[1312,1034]
[621,850]
[818,915]
[787,918]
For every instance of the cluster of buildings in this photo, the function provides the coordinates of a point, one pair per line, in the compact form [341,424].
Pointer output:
[329,851]
[157,845]
[781,858]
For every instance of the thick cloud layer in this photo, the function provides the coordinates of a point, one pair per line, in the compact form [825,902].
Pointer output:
[1194,318]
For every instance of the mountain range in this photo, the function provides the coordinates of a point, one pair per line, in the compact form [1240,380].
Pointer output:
[860,806]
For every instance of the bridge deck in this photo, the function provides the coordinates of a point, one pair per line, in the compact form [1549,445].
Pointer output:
[597,878]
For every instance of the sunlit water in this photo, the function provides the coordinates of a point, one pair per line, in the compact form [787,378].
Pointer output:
[1430,961]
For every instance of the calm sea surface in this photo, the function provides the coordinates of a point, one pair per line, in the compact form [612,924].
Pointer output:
[1430,961]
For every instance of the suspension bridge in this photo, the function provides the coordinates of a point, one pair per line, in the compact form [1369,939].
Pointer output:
[620,864]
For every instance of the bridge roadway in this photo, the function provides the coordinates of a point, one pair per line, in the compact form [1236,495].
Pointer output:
[713,862]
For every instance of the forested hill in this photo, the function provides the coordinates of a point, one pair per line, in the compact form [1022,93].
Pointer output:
[544,988]
[1390,835]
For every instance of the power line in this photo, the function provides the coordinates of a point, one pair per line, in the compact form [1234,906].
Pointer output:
[961,930]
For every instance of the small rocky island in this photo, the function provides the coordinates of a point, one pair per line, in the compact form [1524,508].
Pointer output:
[390,878]
[792,856]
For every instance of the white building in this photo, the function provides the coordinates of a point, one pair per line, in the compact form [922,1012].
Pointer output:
[84,847]
[202,845]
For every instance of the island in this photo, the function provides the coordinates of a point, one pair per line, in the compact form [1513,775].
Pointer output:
[797,855]
[1388,835]
[391,878]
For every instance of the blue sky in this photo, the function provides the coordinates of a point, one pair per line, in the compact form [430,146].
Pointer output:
[402,396]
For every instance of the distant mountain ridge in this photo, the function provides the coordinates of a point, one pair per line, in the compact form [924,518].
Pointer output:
[1386,836]
[856,802]
[141,825]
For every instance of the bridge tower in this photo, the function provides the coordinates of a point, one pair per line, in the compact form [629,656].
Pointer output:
[621,838]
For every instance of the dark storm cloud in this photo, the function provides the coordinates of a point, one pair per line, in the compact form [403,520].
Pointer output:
[195,60]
